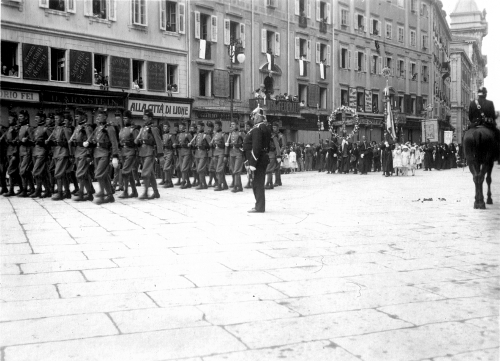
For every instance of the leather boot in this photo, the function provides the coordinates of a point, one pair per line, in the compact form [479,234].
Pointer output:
[90,190]
[219,186]
[144,194]
[79,195]
[224,183]
[163,178]
[185,180]
[210,179]
[67,193]
[269,182]
[232,181]
[196,181]
[31,184]
[108,197]
[156,194]
[10,193]
[168,183]
[38,192]
[100,194]
[23,193]
[132,185]
[46,184]
[75,182]
[125,194]
[59,195]
[200,182]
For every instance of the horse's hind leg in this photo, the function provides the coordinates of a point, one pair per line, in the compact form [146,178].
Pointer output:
[488,182]
[478,178]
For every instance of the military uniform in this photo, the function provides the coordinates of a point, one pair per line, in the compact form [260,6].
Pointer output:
[150,146]
[3,160]
[202,145]
[365,161]
[183,140]
[482,112]
[235,153]
[106,145]
[61,153]
[169,141]
[211,160]
[40,158]
[274,152]
[279,138]
[219,146]
[12,155]
[25,156]
[256,146]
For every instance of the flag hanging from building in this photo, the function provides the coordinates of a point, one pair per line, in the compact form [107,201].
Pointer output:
[203,48]
[270,61]
[322,70]
[301,67]
[390,120]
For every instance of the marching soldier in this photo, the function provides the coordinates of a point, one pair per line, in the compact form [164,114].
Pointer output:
[51,124]
[234,149]
[11,138]
[83,156]
[4,162]
[59,138]
[117,171]
[202,145]
[211,160]
[274,155]
[220,159]
[40,155]
[127,137]
[70,171]
[248,126]
[168,155]
[105,141]
[150,147]
[192,168]
[183,140]
[25,153]
[256,145]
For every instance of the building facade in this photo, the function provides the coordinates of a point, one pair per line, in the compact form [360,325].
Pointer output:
[288,56]
[370,36]
[468,28]
[59,55]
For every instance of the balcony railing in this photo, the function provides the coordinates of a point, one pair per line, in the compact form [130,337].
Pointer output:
[302,22]
[322,27]
[275,106]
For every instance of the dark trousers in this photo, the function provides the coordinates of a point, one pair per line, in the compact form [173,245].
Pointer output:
[259,178]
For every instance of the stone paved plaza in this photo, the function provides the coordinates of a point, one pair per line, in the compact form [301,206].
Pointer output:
[341,267]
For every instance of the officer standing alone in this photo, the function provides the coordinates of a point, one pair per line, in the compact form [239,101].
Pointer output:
[256,147]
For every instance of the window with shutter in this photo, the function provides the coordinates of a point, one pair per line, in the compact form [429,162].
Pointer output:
[227,32]
[318,50]
[197,25]
[328,11]
[214,29]
[308,9]
[242,35]
[297,7]
[277,44]
[328,55]
[163,15]
[263,39]
[182,18]
[318,10]
[71,6]
[308,50]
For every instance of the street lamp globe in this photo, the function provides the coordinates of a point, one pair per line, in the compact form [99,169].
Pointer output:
[241,58]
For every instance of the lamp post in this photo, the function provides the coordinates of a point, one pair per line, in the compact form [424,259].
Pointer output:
[234,52]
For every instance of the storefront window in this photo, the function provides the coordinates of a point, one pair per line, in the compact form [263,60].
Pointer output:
[58,64]
[137,71]
[100,69]
[172,78]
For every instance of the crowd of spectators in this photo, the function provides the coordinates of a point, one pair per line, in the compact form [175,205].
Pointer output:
[13,71]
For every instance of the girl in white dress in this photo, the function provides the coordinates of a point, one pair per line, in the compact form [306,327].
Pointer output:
[396,159]
[413,159]
[405,160]
[293,160]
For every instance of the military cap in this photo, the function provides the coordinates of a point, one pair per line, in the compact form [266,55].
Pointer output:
[13,114]
[60,114]
[482,91]
[80,111]
[218,122]
[102,111]
[68,117]
[275,124]
[118,113]
[200,123]
[127,114]
[249,122]
[25,113]
[167,123]
[148,113]
[51,116]
[41,114]
[176,124]
[210,124]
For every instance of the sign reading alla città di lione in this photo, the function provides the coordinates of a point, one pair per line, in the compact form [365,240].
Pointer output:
[160,109]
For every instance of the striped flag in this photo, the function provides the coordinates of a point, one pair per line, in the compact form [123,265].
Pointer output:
[390,120]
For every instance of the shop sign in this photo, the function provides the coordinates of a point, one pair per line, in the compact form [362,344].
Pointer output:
[160,109]
[276,106]
[120,72]
[221,83]
[80,67]
[156,76]
[368,101]
[82,99]
[216,115]
[353,98]
[35,62]
[21,96]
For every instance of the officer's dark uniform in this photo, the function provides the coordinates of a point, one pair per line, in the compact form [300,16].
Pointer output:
[235,153]
[365,150]
[256,147]
[3,160]
[219,146]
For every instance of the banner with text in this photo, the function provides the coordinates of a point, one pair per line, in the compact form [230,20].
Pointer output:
[160,109]
[353,100]
[368,101]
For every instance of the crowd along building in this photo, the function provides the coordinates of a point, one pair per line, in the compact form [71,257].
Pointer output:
[118,55]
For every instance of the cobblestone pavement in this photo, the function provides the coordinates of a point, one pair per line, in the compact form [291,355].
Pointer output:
[341,267]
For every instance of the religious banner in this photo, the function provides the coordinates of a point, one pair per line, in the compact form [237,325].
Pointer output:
[353,101]
[368,101]
[448,136]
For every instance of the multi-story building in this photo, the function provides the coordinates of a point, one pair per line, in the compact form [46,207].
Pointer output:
[370,36]
[59,55]
[288,52]
[468,27]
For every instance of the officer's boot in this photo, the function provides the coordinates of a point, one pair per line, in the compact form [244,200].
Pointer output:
[79,195]
[163,178]
[58,196]
[23,192]
[11,192]
[232,181]
[278,177]
[47,186]
[240,185]
[156,194]
[144,194]
[210,179]
[185,181]
[220,183]
[53,183]
[200,182]
[170,184]
[196,179]
[188,181]
[125,194]
[133,194]
[236,188]
[76,182]
[179,179]
[108,198]
[38,192]
[100,194]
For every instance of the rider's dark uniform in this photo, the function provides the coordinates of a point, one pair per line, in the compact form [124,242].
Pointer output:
[482,112]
